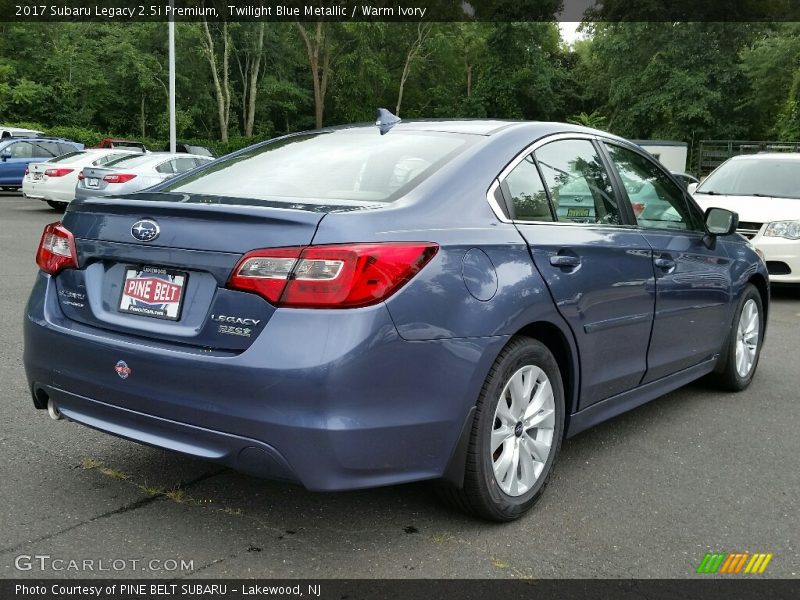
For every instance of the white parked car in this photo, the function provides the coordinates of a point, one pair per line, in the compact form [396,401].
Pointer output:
[131,174]
[54,181]
[765,190]
[9,132]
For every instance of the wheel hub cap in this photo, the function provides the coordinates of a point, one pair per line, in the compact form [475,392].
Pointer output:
[523,429]
[747,338]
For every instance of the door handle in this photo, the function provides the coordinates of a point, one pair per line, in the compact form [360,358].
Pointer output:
[565,260]
[665,263]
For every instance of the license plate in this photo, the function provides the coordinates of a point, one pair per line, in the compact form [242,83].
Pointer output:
[153,292]
[577,212]
[37,176]
[92,182]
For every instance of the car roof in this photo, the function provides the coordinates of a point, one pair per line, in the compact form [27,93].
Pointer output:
[483,127]
[470,126]
[37,139]
[770,155]
[113,150]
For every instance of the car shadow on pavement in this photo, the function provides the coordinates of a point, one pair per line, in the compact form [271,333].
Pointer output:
[234,497]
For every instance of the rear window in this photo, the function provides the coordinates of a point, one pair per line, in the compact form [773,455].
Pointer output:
[68,157]
[132,160]
[130,145]
[350,165]
[199,150]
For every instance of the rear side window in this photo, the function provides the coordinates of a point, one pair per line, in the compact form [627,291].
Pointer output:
[46,150]
[578,183]
[62,148]
[357,165]
[166,167]
[526,190]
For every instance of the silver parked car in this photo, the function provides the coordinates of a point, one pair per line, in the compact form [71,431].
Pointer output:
[133,173]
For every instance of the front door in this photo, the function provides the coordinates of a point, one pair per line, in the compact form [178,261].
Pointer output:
[13,162]
[693,281]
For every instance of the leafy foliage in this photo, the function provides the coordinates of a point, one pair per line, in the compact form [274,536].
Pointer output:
[681,81]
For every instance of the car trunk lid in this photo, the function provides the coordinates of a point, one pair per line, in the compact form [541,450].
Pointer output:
[171,286]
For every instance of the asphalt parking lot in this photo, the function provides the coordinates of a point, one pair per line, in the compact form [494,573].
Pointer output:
[644,495]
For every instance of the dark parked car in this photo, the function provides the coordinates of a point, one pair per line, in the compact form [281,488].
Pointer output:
[17,153]
[363,306]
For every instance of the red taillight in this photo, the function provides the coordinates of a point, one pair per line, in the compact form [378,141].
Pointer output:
[120,178]
[81,176]
[332,276]
[56,250]
[57,172]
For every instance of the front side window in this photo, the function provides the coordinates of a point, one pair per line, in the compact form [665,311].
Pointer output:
[526,190]
[19,150]
[656,201]
[578,183]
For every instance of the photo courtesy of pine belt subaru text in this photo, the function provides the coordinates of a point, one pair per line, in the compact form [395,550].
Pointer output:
[385,303]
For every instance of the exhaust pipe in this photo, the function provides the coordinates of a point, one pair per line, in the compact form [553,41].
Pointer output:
[53,411]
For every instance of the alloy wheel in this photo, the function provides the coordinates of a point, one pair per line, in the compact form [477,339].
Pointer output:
[747,335]
[522,433]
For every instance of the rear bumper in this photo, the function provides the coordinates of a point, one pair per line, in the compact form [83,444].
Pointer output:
[331,399]
[240,453]
[45,194]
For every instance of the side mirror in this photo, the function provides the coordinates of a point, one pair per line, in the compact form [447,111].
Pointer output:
[692,187]
[6,155]
[720,221]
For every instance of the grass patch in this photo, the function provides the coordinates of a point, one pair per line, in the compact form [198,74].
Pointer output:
[91,464]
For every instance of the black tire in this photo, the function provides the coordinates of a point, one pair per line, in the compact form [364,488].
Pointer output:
[56,205]
[727,376]
[481,494]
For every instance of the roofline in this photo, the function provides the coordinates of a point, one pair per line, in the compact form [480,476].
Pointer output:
[659,143]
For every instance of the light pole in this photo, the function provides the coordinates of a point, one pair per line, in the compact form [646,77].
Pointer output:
[172,132]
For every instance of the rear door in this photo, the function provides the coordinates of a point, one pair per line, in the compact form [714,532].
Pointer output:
[598,269]
[693,281]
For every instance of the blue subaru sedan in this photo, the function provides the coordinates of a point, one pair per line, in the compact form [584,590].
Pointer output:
[372,305]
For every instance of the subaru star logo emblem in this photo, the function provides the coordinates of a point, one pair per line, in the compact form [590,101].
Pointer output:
[145,230]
